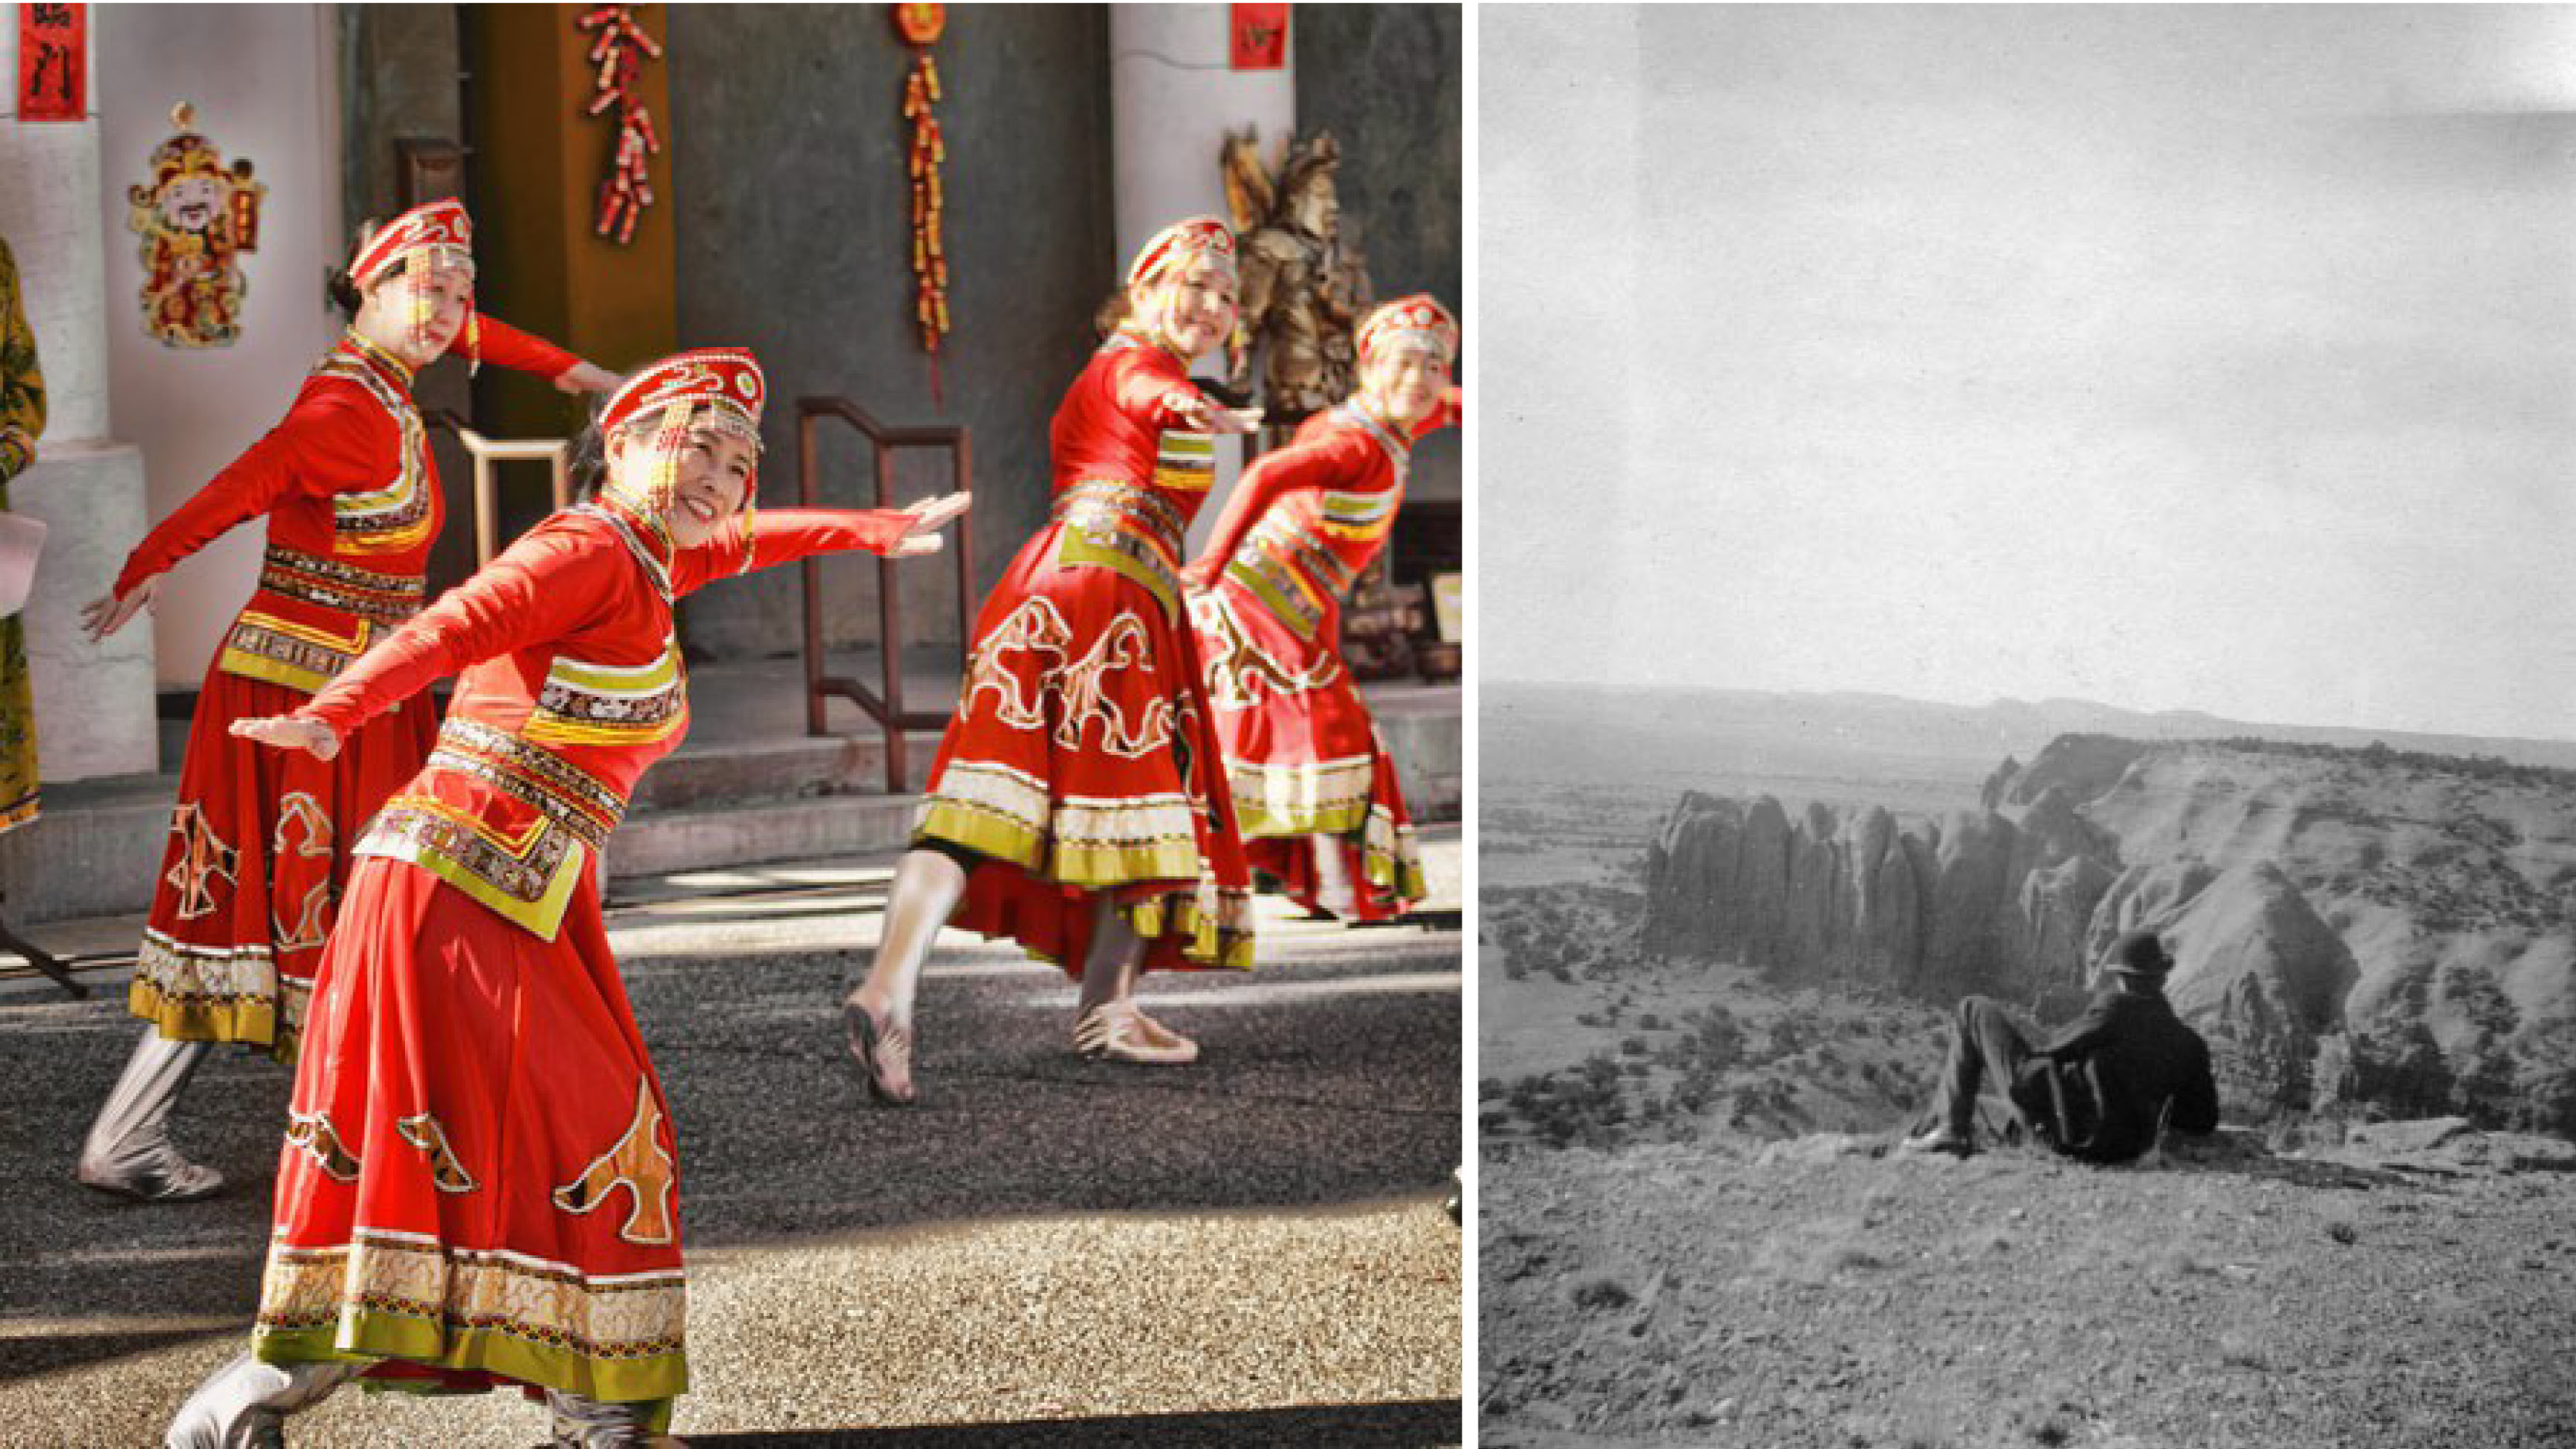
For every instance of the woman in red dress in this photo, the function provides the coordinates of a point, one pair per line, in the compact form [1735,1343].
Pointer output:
[480,1179]
[1313,787]
[1078,803]
[257,852]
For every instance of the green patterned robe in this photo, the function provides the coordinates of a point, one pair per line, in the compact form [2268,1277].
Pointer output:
[22,421]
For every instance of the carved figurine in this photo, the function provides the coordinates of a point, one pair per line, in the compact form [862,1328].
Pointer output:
[1303,289]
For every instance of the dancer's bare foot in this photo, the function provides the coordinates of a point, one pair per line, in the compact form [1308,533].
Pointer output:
[1163,1036]
[1118,1033]
[882,1050]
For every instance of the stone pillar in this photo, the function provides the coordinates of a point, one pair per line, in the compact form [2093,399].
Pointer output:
[94,702]
[1173,97]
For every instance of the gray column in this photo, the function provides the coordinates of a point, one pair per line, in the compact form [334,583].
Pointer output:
[94,703]
[1173,97]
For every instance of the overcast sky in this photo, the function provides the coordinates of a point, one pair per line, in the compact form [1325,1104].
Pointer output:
[2177,358]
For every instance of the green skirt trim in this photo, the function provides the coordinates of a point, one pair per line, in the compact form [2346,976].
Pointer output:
[363,1336]
[1088,867]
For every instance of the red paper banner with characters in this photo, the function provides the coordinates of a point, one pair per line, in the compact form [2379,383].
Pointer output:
[53,62]
[1260,37]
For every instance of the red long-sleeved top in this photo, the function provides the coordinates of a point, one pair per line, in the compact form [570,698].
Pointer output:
[570,686]
[350,491]
[1337,484]
[567,607]
[1114,421]
[341,436]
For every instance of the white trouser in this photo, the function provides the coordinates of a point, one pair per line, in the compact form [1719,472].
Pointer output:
[132,1134]
[244,1404]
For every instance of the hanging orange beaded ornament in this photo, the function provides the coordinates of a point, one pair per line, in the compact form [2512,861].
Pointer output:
[920,25]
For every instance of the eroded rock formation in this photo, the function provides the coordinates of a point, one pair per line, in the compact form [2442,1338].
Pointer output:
[2349,925]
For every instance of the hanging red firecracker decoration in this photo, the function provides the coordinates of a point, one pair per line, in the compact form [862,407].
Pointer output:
[920,25]
[618,48]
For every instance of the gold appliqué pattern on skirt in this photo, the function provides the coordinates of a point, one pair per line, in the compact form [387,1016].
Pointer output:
[303,829]
[1240,673]
[204,858]
[1025,660]
[445,1170]
[637,1162]
[312,1134]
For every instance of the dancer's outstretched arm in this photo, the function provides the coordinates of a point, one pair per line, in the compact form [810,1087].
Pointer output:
[502,345]
[1314,463]
[768,537]
[331,435]
[545,586]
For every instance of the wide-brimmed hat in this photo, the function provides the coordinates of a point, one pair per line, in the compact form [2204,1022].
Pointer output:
[2139,953]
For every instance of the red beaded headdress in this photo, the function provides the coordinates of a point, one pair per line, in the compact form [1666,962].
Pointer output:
[1418,321]
[719,387]
[1179,244]
[440,228]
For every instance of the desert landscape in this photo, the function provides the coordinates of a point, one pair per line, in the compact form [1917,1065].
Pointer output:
[1718,936]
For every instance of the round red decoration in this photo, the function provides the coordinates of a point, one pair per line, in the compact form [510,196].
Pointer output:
[920,24]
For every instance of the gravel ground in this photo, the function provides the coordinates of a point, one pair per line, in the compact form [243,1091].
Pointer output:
[1250,1251]
[1814,1295]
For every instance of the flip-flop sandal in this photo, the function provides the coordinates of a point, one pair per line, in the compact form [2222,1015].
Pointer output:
[871,1046]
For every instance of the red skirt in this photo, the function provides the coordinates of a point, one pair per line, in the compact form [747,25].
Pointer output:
[1083,759]
[1304,763]
[257,858]
[480,1180]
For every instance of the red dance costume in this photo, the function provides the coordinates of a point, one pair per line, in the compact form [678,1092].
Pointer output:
[1084,757]
[480,1178]
[1306,766]
[258,849]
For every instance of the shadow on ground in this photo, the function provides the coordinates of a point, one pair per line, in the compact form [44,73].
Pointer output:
[1319,1100]
[1344,1426]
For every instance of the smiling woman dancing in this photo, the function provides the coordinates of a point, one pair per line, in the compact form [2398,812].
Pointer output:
[1313,785]
[480,1180]
[1078,804]
[258,847]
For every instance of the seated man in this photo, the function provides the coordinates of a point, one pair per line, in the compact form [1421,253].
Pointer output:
[2098,1090]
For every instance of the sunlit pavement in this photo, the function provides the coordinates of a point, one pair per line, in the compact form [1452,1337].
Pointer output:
[1046,1251]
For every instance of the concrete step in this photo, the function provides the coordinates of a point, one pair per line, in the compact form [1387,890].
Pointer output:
[714,803]
[778,905]
[710,837]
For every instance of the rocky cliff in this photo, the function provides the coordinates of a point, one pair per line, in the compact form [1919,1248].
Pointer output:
[2350,926]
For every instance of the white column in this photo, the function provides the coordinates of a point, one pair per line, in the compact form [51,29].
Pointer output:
[1173,97]
[94,702]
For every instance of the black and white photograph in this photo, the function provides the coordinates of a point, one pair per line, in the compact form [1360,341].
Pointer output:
[2026,769]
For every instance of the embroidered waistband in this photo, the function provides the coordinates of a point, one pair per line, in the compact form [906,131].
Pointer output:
[1284,539]
[1099,503]
[1126,529]
[315,579]
[558,789]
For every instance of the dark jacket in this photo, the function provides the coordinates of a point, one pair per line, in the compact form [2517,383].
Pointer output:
[2117,1067]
